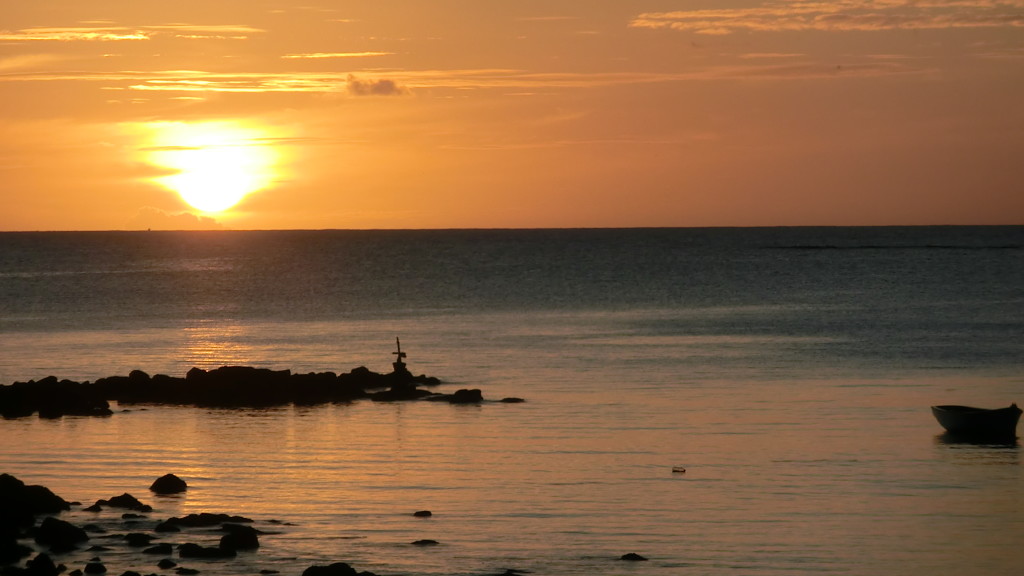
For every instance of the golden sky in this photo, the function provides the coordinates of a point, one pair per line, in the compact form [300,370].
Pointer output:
[251,114]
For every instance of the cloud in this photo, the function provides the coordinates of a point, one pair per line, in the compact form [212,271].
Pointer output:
[28,61]
[319,55]
[92,34]
[110,33]
[191,82]
[381,87]
[149,218]
[842,15]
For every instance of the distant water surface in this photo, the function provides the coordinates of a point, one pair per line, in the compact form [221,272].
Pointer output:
[789,371]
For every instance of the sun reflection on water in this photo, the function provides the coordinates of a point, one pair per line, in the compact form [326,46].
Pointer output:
[211,344]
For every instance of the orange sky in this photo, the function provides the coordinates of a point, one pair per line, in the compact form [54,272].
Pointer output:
[480,113]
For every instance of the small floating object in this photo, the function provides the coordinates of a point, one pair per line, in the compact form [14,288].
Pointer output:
[423,514]
[425,543]
[633,557]
[973,422]
[678,470]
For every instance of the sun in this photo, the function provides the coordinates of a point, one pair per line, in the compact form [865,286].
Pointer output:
[213,165]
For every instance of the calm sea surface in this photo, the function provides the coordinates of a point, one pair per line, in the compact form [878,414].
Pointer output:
[789,371]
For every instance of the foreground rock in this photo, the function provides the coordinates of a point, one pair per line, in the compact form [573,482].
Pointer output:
[59,535]
[21,504]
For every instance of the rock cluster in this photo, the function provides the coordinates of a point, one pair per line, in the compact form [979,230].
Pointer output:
[21,504]
[225,387]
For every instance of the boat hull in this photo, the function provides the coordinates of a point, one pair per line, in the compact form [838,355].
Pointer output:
[973,422]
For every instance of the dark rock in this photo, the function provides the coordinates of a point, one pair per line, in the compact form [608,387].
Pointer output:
[131,516]
[269,571]
[21,503]
[239,537]
[163,549]
[138,539]
[166,563]
[167,526]
[168,484]
[423,514]
[42,565]
[205,520]
[95,507]
[97,548]
[138,377]
[464,396]
[512,400]
[633,557]
[186,571]
[125,501]
[11,552]
[400,392]
[59,535]
[94,529]
[227,386]
[130,573]
[425,542]
[75,572]
[336,569]
[52,398]
[95,568]
[191,550]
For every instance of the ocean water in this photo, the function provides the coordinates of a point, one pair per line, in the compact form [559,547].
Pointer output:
[788,370]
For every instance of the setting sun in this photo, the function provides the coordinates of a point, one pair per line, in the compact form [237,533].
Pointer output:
[215,164]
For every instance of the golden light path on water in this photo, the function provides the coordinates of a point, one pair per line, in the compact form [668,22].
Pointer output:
[212,165]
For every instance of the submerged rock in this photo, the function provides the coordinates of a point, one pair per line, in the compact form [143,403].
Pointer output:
[191,550]
[633,557]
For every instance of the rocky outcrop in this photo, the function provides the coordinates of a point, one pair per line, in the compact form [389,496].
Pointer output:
[52,398]
[224,387]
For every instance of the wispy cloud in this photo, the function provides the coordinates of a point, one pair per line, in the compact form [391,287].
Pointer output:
[395,82]
[322,55]
[842,15]
[110,33]
[547,18]
[28,61]
[92,34]
[204,31]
